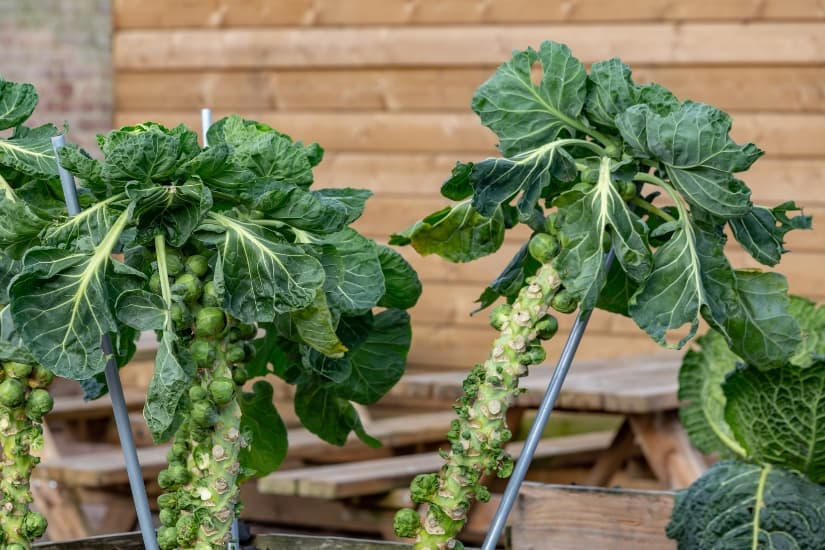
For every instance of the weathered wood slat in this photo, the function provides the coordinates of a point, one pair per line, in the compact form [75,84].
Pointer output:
[573,518]
[226,13]
[764,88]
[781,135]
[694,43]
[74,407]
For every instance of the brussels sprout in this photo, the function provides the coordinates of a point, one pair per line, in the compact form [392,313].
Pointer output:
[165,479]
[154,283]
[247,331]
[550,223]
[547,327]
[423,487]
[17,370]
[168,501]
[235,353]
[210,295]
[543,247]
[12,393]
[222,390]
[41,377]
[533,356]
[203,353]
[38,404]
[187,528]
[180,449]
[167,538]
[240,375]
[168,516]
[499,315]
[174,265]
[204,414]
[197,265]
[197,393]
[179,473]
[34,525]
[564,302]
[406,523]
[210,321]
[180,315]
[188,286]
[627,190]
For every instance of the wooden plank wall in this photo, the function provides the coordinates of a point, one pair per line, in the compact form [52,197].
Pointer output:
[385,87]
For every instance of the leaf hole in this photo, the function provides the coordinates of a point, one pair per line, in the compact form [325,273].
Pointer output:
[536,73]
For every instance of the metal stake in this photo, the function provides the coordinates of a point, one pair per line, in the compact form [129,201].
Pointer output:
[121,414]
[206,123]
[537,429]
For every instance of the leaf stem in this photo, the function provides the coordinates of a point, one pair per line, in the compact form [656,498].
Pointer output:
[758,505]
[163,273]
[651,209]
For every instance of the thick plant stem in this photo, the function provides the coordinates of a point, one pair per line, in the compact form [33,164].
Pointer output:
[477,436]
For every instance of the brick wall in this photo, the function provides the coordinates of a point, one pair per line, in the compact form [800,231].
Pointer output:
[64,49]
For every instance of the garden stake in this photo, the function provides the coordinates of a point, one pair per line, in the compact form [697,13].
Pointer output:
[537,429]
[119,410]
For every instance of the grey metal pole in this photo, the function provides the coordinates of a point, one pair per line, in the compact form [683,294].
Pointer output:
[206,122]
[537,429]
[121,414]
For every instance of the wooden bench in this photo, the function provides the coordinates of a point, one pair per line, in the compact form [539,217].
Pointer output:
[370,477]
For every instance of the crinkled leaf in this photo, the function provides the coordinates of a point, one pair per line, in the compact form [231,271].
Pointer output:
[61,306]
[12,347]
[17,103]
[216,167]
[352,200]
[146,153]
[328,416]
[811,319]
[458,233]
[736,506]
[174,372]
[586,219]
[171,210]
[762,230]
[402,286]
[610,91]
[264,275]
[141,310]
[92,223]
[263,429]
[316,327]
[88,170]
[20,225]
[30,151]
[703,402]
[458,186]
[525,115]
[361,284]
[779,416]
[303,210]
[497,181]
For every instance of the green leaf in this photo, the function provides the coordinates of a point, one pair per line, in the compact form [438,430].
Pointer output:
[30,151]
[328,416]
[378,362]
[458,233]
[509,281]
[20,225]
[403,288]
[216,167]
[352,200]
[88,170]
[617,291]
[586,219]
[610,92]
[302,209]
[458,186]
[762,230]
[172,210]
[525,115]
[779,416]
[263,429]
[146,153]
[703,402]
[174,372]
[316,327]
[141,310]
[264,275]
[92,223]
[17,103]
[744,506]
[61,305]
[8,269]
[361,284]
[811,319]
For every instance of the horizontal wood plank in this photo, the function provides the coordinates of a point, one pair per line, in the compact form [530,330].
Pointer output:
[781,135]
[657,43]
[252,13]
[584,517]
[764,88]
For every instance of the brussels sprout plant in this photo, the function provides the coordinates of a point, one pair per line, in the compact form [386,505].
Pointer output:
[594,163]
[241,271]
[27,177]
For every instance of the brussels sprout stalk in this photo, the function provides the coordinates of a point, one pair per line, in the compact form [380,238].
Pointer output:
[478,435]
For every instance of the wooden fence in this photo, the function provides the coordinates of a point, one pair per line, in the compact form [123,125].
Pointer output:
[385,87]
